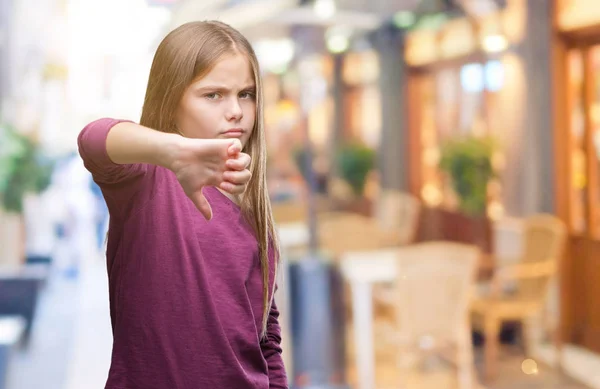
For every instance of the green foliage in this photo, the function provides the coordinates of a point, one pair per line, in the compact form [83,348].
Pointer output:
[468,163]
[354,162]
[23,169]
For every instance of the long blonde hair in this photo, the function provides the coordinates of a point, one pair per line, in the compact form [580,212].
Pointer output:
[190,52]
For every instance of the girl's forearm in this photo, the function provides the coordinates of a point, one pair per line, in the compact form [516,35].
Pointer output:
[128,143]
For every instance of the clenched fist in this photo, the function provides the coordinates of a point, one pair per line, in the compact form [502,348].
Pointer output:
[213,162]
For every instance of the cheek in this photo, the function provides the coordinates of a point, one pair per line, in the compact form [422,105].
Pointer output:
[250,117]
[198,120]
[250,111]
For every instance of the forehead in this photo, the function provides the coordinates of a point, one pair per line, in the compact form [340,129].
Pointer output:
[229,70]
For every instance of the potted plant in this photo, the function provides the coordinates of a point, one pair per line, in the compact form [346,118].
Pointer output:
[468,163]
[354,162]
[23,170]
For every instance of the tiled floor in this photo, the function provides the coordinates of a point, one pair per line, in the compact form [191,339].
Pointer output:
[72,342]
[511,375]
[43,363]
[579,362]
[438,374]
[92,339]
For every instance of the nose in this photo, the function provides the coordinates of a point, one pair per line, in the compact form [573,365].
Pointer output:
[234,110]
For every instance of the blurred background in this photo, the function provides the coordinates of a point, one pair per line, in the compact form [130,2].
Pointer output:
[439,158]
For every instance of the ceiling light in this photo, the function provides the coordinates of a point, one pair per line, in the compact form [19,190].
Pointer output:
[337,39]
[495,43]
[324,9]
[338,44]
[274,55]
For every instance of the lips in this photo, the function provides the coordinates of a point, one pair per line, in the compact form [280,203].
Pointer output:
[234,132]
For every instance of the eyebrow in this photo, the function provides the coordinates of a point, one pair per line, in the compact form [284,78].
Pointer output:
[223,88]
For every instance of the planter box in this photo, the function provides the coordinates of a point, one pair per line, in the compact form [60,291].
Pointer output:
[442,224]
[19,292]
[361,205]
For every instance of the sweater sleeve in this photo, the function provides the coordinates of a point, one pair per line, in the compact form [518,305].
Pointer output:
[271,349]
[119,182]
[92,148]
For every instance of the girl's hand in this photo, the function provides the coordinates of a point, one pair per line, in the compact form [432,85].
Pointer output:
[213,162]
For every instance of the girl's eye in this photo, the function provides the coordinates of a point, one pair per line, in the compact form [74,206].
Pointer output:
[212,96]
[247,95]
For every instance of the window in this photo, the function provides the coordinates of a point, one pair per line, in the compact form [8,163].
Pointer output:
[455,101]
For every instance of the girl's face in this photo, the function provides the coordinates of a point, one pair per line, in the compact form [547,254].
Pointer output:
[221,104]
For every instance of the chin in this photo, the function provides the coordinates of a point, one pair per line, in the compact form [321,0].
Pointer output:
[245,143]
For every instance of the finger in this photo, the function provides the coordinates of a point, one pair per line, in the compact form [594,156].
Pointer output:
[202,204]
[232,188]
[234,148]
[237,177]
[242,162]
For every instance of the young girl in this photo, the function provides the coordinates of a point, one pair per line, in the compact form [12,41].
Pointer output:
[192,251]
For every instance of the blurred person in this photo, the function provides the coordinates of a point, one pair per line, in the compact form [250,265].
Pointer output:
[101,214]
[191,250]
[73,213]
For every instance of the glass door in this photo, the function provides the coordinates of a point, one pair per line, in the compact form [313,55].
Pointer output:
[593,75]
[584,146]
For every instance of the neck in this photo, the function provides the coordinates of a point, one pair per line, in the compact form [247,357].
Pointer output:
[234,198]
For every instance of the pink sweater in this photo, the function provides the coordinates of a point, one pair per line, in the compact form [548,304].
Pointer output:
[185,294]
